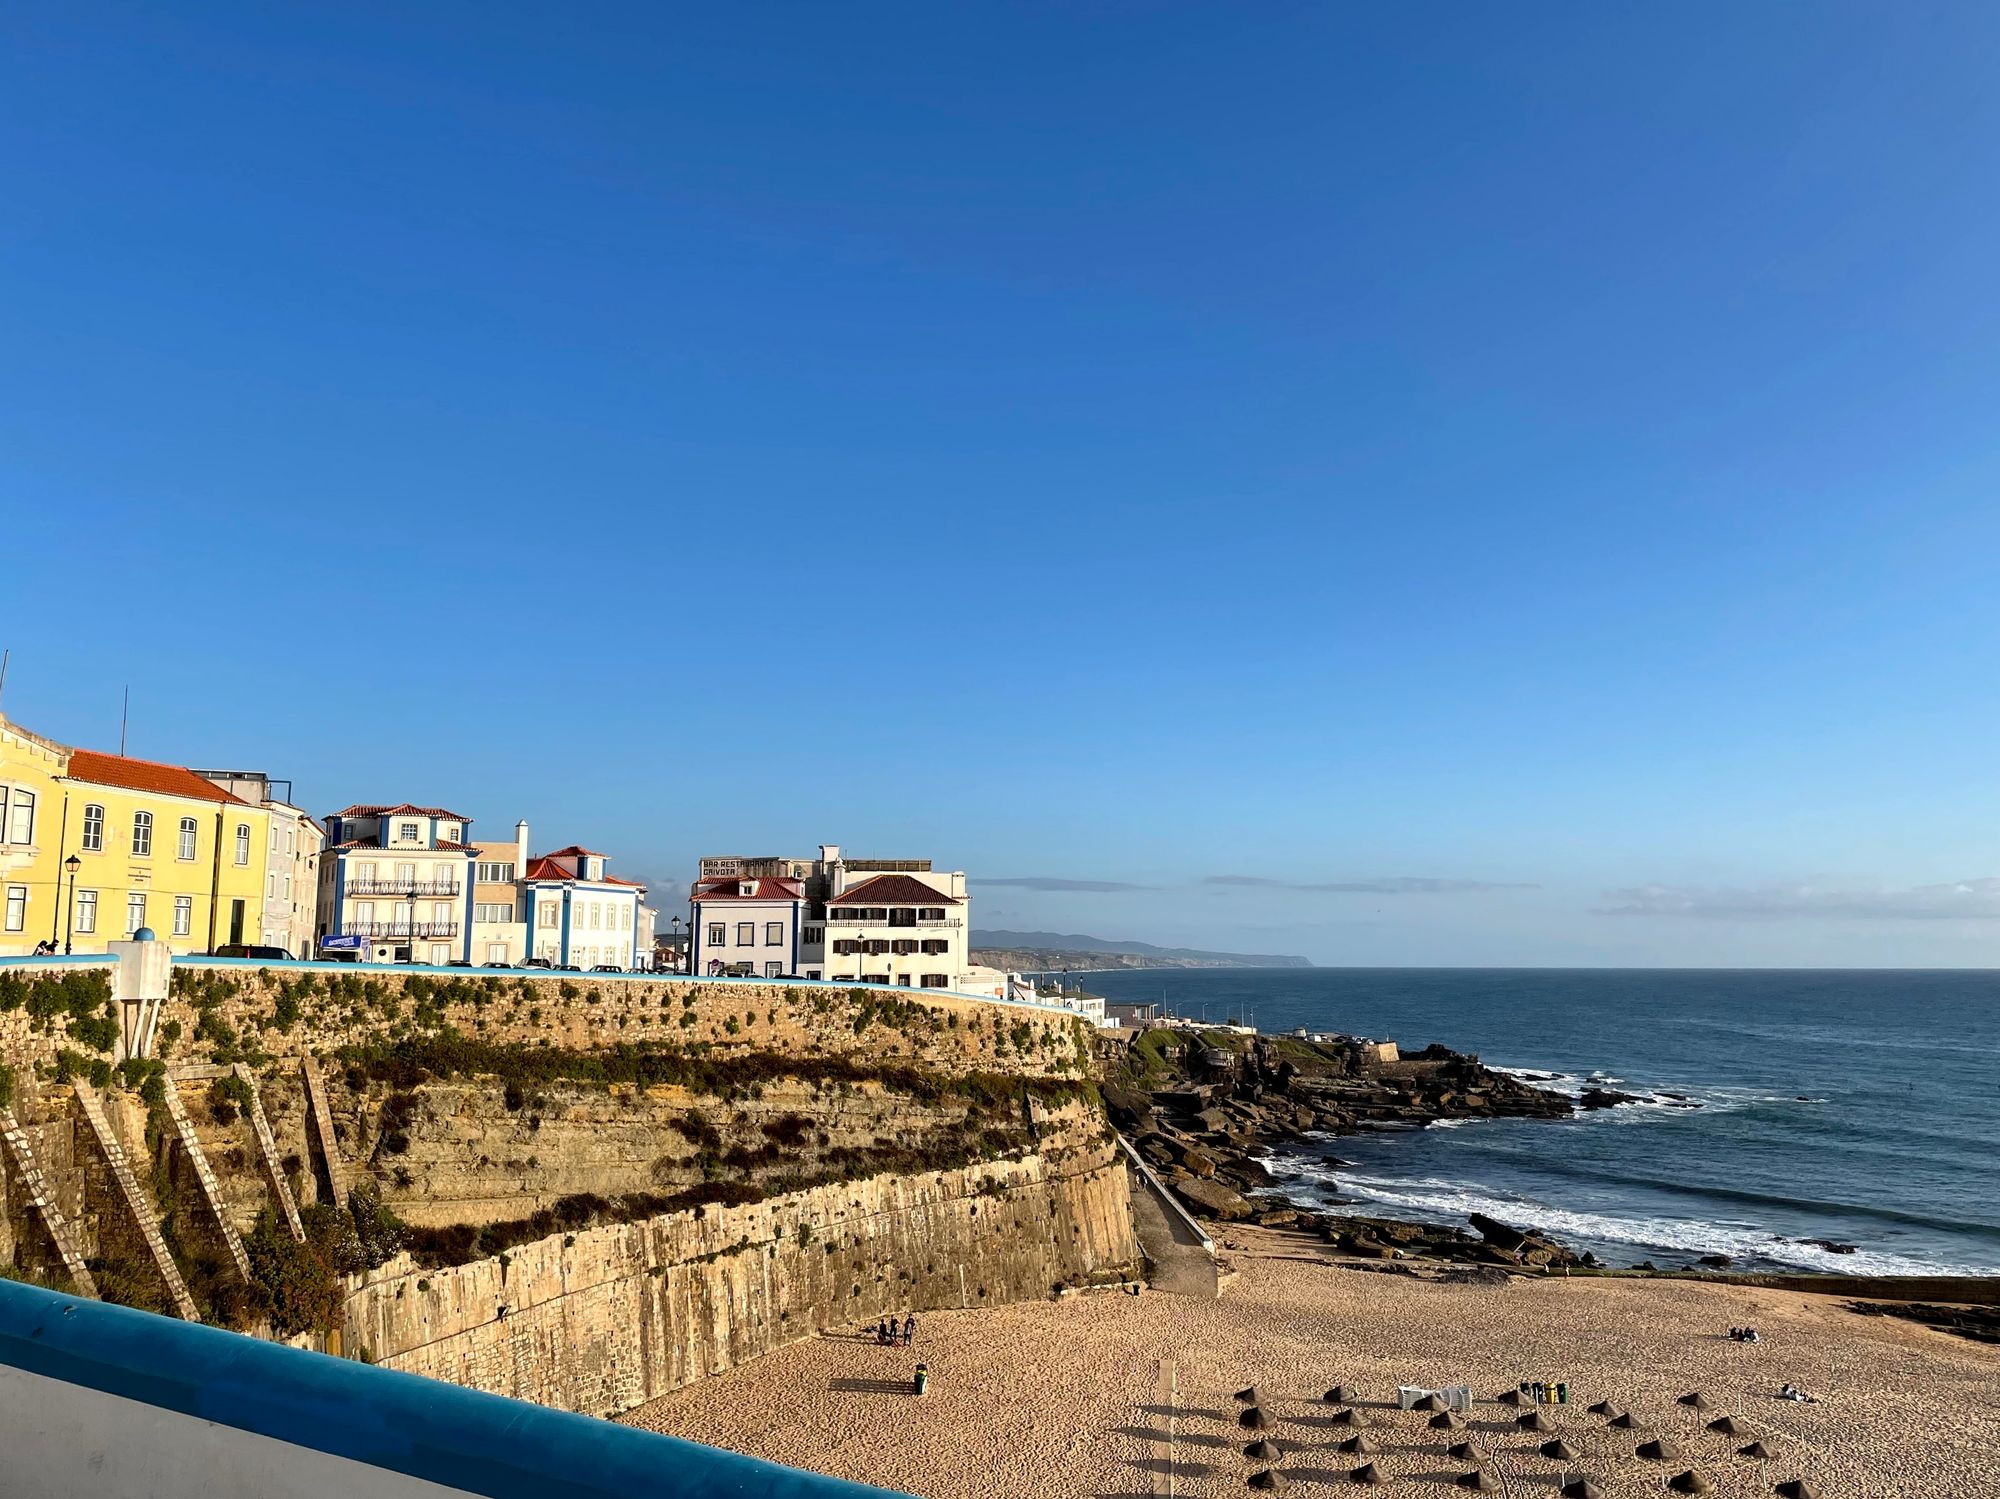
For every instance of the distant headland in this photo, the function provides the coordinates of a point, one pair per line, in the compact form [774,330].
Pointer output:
[1032,951]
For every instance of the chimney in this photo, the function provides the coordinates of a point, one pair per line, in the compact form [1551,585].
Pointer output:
[520,850]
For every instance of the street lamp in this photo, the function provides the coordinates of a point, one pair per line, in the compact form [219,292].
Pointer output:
[72,864]
[674,943]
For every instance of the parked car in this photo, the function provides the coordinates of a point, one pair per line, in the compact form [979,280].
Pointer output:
[569,968]
[607,968]
[251,950]
[536,963]
[499,965]
[459,963]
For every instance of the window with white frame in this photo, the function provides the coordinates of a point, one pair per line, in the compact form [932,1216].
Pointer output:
[496,872]
[135,911]
[271,886]
[440,954]
[86,912]
[183,915]
[717,934]
[19,818]
[548,914]
[493,911]
[17,908]
[93,829]
[288,887]
[142,835]
[406,874]
[184,849]
[242,843]
[365,870]
[408,832]
[441,911]
[364,912]
[774,934]
[772,970]
[746,934]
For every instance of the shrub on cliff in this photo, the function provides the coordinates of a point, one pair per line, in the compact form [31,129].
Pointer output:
[297,1285]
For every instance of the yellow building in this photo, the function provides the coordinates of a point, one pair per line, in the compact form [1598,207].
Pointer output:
[155,845]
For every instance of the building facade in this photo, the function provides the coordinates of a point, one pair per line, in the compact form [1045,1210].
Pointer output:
[749,927]
[396,884]
[291,860]
[154,845]
[579,916]
[499,920]
[906,929]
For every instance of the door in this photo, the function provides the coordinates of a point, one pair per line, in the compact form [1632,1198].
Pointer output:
[236,921]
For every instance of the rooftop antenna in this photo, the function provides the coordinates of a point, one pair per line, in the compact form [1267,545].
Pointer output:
[124,717]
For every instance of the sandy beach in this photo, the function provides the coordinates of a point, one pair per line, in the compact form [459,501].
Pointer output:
[1080,1397]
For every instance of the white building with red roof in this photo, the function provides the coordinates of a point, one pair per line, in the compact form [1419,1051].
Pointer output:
[395,884]
[750,926]
[580,916]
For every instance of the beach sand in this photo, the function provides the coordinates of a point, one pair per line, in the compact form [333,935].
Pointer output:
[1064,1398]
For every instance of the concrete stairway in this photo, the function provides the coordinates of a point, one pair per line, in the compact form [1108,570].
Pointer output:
[322,1117]
[267,1147]
[143,1214]
[1181,1256]
[211,1190]
[44,1203]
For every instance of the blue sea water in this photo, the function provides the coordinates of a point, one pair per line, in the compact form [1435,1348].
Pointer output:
[1860,1107]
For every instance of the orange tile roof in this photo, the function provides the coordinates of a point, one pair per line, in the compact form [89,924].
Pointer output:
[369,809]
[145,775]
[894,890]
[767,888]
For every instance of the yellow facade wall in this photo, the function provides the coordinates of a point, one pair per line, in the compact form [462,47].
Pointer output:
[27,885]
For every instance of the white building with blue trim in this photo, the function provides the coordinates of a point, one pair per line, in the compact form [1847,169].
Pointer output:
[395,884]
[578,916]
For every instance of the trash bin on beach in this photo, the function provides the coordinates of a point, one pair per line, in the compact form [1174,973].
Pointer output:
[922,1381]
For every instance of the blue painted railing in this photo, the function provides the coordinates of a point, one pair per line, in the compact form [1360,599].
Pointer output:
[462,1440]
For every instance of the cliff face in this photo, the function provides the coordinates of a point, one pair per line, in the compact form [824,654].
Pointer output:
[605,1187]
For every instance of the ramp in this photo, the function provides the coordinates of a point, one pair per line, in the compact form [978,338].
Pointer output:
[138,1206]
[44,1203]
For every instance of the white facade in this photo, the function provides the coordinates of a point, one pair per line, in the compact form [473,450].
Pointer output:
[578,916]
[395,884]
[291,864]
[902,928]
[499,900]
[749,928]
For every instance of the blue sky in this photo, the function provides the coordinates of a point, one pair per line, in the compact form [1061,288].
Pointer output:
[1526,471]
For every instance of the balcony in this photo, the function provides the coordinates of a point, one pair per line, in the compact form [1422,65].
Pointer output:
[833,921]
[400,929]
[403,887]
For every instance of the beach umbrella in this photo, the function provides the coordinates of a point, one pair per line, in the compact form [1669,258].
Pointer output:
[1658,1451]
[1624,1421]
[1534,1421]
[1695,1400]
[1360,1446]
[1263,1451]
[1756,1449]
[1251,1396]
[1465,1452]
[1582,1488]
[1510,1397]
[1690,1482]
[1797,1488]
[1604,1408]
[1560,1450]
[1478,1480]
[1444,1421]
[1341,1394]
[1428,1403]
[1727,1426]
[1370,1474]
[1255,1419]
[1348,1418]
[1266,1478]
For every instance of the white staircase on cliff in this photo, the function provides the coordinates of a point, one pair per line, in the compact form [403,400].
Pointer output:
[267,1147]
[137,1205]
[322,1117]
[211,1190]
[44,1203]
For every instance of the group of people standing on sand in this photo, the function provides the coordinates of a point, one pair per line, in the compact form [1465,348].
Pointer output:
[1744,1335]
[890,1335]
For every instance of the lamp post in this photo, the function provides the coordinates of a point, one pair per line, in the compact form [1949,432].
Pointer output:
[675,943]
[72,864]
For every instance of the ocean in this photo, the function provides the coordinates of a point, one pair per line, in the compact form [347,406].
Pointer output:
[1857,1107]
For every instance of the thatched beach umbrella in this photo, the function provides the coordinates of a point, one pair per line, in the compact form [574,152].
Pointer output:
[1604,1408]
[1349,1418]
[1263,1451]
[1267,1478]
[1510,1397]
[1479,1481]
[1368,1473]
[1342,1394]
[1251,1396]
[1254,1419]
[1695,1400]
[1444,1421]
[1582,1488]
[1428,1403]
[1465,1452]
[1727,1426]
[1757,1450]
[1797,1488]
[1560,1451]
[1534,1421]
[1658,1451]
[1690,1482]
[1360,1446]
[1625,1421]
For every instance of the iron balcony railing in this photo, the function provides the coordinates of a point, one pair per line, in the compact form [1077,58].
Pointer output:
[400,929]
[836,920]
[403,887]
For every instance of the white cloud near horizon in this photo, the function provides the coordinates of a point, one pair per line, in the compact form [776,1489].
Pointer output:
[1962,900]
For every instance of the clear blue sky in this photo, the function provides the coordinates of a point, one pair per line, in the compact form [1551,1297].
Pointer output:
[1536,464]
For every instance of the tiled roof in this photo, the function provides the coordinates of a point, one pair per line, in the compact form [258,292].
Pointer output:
[894,890]
[762,889]
[368,809]
[546,868]
[145,775]
[376,843]
[574,852]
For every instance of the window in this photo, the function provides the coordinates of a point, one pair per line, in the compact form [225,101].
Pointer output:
[596,915]
[17,908]
[271,886]
[441,911]
[746,934]
[364,912]
[365,870]
[288,887]
[931,913]
[903,947]
[717,934]
[625,919]
[86,911]
[936,981]
[493,911]
[406,874]
[548,915]
[135,911]
[93,829]
[772,970]
[183,915]
[812,935]
[242,843]
[20,816]
[774,934]
[440,954]
[496,873]
[449,832]
[184,848]
[142,835]
[408,832]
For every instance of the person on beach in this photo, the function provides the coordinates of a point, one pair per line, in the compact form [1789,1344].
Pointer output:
[910,1329]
